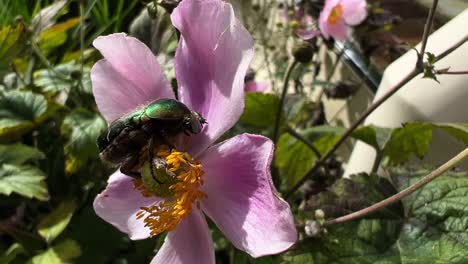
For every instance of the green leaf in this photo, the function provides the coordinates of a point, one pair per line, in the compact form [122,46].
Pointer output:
[349,195]
[377,137]
[83,128]
[67,250]
[18,154]
[56,35]
[411,139]
[294,158]
[54,81]
[51,226]
[260,110]
[436,225]
[12,42]
[47,257]
[457,130]
[11,253]
[19,113]
[63,252]
[24,180]
[368,240]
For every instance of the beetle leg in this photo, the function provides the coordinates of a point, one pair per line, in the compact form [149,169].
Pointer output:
[151,146]
[128,164]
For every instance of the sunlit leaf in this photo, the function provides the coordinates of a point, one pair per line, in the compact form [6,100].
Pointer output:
[10,254]
[294,158]
[12,42]
[19,113]
[53,224]
[83,128]
[18,154]
[411,139]
[260,110]
[57,80]
[24,180]
[56,35]
[377,137]
[61,253]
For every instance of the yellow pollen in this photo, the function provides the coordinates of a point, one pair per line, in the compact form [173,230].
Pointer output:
[165,215]
[335,14]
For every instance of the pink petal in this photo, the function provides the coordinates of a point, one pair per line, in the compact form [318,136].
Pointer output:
[328,7]
[212,59]
[242,200]
[189,243]
[338,31]
[127,77]
[119,203]
[354,11]
[253,86]
[308,34]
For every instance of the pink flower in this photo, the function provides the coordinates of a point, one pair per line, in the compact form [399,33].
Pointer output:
[230,181]
[306,29]
[254,86]
[338,15]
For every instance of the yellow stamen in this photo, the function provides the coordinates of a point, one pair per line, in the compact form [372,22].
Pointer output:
[335,14]
[166,215]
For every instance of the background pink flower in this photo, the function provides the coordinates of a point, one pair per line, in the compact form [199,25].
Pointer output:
[211,62]
[338,15]
[254,86]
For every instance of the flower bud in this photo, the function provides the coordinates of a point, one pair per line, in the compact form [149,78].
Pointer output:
[75,75]
[303,52]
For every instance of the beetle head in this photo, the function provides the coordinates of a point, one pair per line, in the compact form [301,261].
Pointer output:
[194,124]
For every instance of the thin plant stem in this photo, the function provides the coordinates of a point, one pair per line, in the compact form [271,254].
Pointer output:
[82,35]
[411,189]
[377,161]
[452,48]
[287,76]
[427,31]
[332,72]
[295,134]
[451,72]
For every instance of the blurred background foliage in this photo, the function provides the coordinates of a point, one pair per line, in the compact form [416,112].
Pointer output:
[50,170]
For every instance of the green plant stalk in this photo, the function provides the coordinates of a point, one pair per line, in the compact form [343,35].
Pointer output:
[311,145]
[397,197]
[287,76]
[426,32]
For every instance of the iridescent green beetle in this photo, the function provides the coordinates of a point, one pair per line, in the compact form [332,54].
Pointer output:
[155,123]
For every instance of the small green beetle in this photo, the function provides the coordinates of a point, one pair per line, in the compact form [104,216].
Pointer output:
[155,123]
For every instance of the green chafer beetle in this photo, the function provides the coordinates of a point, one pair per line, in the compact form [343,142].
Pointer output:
[155,123]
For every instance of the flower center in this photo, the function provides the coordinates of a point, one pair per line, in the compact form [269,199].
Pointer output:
[177,178]
[335,14]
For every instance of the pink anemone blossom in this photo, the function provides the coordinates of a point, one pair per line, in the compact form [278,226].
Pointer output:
[306,29]
[254,86]
[338,15]
[231,181]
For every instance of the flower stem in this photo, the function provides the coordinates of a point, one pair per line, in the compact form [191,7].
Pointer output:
[427,30]
[82,35]
[287,76]
[295,134]
[397,197]
[452,72]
